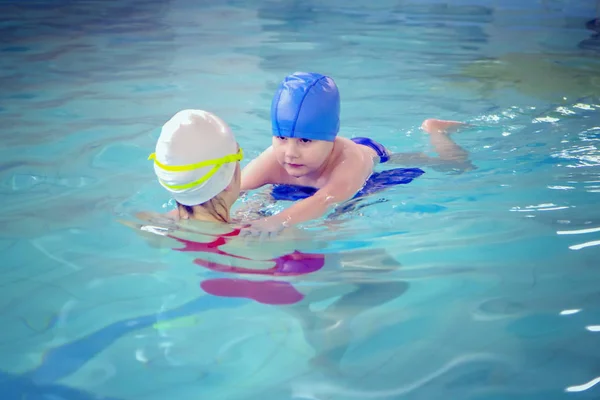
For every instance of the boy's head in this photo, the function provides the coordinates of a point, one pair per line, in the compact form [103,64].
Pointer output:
[305,120]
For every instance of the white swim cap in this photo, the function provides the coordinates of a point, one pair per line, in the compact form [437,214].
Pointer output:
[195,157]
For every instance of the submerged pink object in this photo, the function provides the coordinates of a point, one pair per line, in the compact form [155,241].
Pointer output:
[265,292]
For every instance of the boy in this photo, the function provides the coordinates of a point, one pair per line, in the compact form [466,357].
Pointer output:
[306,151]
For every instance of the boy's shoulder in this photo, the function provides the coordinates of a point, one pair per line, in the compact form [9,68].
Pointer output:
[262,170]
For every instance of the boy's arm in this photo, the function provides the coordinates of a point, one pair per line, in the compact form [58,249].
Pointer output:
[260,171]
[345,181]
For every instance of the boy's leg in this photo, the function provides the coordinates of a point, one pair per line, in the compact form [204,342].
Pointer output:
[451,155]
[439,136]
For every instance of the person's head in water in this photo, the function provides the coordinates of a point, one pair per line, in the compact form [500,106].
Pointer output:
[305,120]
[197,160]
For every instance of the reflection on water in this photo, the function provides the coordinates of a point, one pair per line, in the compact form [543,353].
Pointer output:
[549,77]
[480,286]
[327,331]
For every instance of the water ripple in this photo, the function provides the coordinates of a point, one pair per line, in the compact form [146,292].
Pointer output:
[421,280]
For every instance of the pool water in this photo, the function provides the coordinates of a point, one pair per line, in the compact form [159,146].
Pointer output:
[481,285]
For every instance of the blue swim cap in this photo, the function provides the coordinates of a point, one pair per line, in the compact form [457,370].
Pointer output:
[306,105]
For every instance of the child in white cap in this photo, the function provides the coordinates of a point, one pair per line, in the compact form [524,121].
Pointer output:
[197,161]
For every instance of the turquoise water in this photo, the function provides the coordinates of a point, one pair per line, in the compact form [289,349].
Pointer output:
[492,292]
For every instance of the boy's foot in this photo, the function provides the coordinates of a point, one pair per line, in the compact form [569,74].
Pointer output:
[441,126]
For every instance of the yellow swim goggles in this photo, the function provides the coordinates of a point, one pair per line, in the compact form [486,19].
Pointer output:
[216,163]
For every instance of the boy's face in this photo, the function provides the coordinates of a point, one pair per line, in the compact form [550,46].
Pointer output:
[301,157]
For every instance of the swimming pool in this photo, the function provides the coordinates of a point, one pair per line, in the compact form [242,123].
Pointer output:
[496,296]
